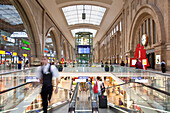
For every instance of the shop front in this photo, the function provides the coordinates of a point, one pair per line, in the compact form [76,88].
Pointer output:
[150,54]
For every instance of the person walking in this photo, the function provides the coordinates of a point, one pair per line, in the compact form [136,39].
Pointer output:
[163,66]
[122,63]
[138,64]
[45,74]
[97,88]
[102,87]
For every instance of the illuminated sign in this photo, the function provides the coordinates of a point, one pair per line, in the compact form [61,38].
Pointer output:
[19,34]
[45,50]
[83,49]
[158,59]
[25,42]
[2,52]
[25,48]
[7,53]
[8,39]
[25,55]
[14,54]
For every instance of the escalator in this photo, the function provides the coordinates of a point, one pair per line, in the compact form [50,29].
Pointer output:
[82,100]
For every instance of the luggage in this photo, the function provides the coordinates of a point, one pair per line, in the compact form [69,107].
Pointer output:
[102,101]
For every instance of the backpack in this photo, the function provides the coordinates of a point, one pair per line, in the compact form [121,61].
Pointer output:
[95,88]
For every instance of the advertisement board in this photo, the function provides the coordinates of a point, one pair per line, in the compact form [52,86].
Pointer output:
[158,59]
[83,49]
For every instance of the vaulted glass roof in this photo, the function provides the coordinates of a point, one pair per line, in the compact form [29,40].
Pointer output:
[73,14]
[9,14]
[83,30]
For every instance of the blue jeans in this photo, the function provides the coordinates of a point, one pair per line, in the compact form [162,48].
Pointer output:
[97,94]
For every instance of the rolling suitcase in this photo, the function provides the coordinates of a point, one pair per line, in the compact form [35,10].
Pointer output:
[102,101]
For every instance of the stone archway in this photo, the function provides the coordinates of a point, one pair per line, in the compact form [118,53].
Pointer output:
[55,41]
[154,12]
[31,28]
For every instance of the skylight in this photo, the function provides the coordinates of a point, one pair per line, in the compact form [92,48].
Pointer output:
[84,30]
[73,14]
[9,14]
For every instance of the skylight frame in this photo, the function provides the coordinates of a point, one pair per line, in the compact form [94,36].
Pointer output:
[73,14]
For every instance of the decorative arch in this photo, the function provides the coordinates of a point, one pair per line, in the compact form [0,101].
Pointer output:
[30,26]
[154,12]
[55,39]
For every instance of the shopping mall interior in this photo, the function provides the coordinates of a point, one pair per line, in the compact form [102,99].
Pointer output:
[84,40]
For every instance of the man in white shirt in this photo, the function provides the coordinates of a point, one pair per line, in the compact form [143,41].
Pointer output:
[45,73]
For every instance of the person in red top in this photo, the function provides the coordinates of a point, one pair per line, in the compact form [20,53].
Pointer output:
[138,64]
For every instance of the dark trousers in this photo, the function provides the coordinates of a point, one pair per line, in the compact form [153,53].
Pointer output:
[46,94]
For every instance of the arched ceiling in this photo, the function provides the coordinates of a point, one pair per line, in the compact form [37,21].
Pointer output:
[54,9]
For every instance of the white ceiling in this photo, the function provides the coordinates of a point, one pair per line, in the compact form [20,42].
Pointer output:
[54,9]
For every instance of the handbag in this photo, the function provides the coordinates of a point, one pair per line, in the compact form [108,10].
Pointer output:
[95,88]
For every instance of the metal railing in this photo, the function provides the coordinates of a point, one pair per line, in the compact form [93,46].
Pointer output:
[73,100]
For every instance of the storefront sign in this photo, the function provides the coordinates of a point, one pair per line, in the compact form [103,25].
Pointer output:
[8,39]
[45,50]
[7,53]
[24,55]
[19,34]
[80,80]
[14,54]
[32,79]
[83,77]
[48,54]
[158,59]
[2,52]
[141,80]
[25,48]
[25,42]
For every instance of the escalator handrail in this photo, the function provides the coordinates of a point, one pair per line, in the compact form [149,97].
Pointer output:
[5,73]
[24,85]
[94,103]
[73,97]
[151,87]
[15,87]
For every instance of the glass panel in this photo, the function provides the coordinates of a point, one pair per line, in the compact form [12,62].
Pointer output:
[9,14]
[92,13]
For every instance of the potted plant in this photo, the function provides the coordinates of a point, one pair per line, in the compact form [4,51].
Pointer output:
[60,68]
[106,67]
[111,68]
[65,64]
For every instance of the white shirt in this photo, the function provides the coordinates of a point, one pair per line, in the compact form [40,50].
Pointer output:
[54,71]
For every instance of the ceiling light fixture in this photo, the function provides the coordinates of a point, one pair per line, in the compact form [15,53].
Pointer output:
[83,14]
